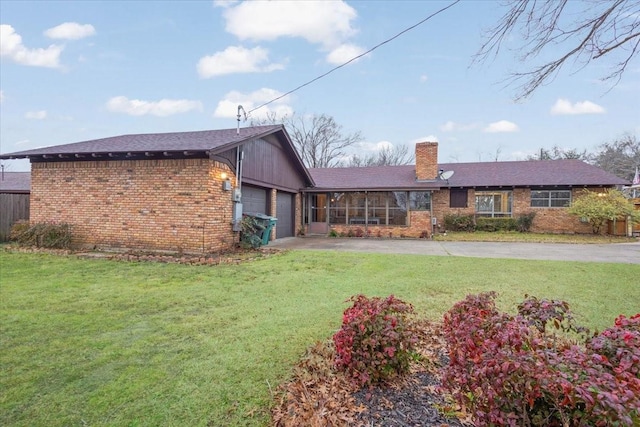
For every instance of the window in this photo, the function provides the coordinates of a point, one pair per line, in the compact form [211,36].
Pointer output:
[420,200]
[493,203]
[550,198]
[458,198]
[359,208]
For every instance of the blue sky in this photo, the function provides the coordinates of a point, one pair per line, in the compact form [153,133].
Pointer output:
[80,70]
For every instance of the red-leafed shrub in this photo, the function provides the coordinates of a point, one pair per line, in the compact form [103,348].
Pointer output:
[508,370]
[620,344]
[375,340]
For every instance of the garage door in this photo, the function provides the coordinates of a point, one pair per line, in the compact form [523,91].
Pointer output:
[254,200]
[284,209]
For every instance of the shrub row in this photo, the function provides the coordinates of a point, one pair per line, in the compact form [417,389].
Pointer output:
[470,223]
[512,370]
[44,235]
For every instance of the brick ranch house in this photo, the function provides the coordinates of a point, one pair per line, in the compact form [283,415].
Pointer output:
[412,200]
[186,191]
[175,191]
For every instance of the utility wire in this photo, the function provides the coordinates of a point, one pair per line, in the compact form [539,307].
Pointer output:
[355,57]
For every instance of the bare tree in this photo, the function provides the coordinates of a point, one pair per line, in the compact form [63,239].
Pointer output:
[602,28]
[388,156]
[320,141]
[556,153]
[619,157]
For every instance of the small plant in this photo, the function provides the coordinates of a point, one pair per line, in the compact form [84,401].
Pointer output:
[424,234]
[358,232]
[495,224]
[525,221]
[251,232]
[374,341]
[42,234]
[459,222]
[333,233]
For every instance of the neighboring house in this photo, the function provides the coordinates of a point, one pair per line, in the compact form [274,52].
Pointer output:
[187,190]
[14,200]
[412,200]
[178,191]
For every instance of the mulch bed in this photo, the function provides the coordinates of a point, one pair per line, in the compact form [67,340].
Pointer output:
[318,395]
[235,256]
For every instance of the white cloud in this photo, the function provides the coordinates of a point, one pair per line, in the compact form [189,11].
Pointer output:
[228,107]
[501,126]
[224,3]
[36,115]
[162,108]
[451,126]
[70,31]
[1,95]
[564,106]
[11,46]
[374,146]
[344,53]
[236,59]
[325,23]
[423,78]
[22,142]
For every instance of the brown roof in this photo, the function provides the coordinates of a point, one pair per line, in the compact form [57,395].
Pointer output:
[15,182]
[484,174]
[200,141]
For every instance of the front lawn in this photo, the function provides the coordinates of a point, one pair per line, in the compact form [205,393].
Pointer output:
[95,342]
[514,236]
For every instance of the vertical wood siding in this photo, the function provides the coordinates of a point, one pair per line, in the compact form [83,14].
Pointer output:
[13,207]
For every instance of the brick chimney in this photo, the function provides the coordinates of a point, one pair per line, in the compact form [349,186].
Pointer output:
[426,161]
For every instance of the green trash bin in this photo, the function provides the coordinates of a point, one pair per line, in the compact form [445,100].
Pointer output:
[267,223]
[266,233]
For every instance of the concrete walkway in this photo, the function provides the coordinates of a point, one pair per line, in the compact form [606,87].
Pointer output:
[627,253]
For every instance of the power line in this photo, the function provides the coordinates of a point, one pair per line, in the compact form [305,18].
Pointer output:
[355,57]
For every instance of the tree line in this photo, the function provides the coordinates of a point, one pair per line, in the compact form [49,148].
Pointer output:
[323,143]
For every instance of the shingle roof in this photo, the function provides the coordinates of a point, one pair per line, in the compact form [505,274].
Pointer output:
[369,178]
[154,142]
[568,172]
[15,182]
[485,174]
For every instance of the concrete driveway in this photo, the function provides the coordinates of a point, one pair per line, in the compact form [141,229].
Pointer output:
[627,253]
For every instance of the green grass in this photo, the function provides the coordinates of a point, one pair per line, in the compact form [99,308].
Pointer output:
[95,342]
[514,236]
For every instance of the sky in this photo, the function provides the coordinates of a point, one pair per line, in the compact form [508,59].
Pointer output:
[80,70]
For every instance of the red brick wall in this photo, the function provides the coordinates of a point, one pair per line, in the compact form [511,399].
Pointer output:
[557,220]
[547,220]
[419,226]
[144,204]
[426,160]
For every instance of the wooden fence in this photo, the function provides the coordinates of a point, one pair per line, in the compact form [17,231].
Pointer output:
[13,207]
